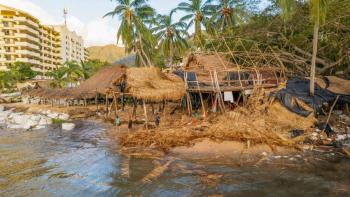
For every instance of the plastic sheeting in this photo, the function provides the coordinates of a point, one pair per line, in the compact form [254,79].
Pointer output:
[298,88]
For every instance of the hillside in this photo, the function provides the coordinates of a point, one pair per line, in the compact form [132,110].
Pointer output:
[109,53]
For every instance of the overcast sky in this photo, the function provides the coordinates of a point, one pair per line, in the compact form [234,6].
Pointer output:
[84,16]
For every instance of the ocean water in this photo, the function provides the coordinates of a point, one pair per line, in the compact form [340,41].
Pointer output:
[87,162]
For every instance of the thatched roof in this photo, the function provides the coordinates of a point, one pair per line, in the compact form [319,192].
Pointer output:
[202,64]
[207,62]
[104,80]
[152,85]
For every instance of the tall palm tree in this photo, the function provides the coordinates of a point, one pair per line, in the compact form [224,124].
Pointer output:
[198,12]
[132,31]
[171,36]
[318,16]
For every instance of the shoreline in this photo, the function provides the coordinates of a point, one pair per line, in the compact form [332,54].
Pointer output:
[184,140]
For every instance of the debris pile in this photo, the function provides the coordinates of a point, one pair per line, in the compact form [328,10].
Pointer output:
[271,124]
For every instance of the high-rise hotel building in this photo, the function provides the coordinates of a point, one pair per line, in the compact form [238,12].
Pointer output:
[24,39]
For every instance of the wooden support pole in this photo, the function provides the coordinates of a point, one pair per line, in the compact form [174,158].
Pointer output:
[96,102]
[115,103]
[106,105]
[145,111]
[189,104]
[202,102]
[134,108]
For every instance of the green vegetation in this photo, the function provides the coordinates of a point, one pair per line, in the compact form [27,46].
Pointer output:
[18,72]
[64,75]
[71,73]
[58,121]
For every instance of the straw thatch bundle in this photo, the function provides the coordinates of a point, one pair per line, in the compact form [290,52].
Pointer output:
[207,62]
[152,85]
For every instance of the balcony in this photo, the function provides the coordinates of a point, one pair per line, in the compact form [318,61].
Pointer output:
[26,36]
[27,44]
[27,60]
[26,28]
[25,52]
[24,19]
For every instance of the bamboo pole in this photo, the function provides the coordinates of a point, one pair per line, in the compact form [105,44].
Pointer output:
[330,113]
[145,111]
[202,102]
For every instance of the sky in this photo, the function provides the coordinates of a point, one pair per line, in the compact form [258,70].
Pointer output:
[84,16]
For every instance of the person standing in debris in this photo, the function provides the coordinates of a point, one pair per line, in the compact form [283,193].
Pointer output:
[196,118]
[117,122]
[129,123]
[157,120]
[196,114]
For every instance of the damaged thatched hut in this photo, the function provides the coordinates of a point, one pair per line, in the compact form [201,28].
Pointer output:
[220,78]
[107,80]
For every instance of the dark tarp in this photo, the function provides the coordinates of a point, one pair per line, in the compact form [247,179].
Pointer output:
[299,88]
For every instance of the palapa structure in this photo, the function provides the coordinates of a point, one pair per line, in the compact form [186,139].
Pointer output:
[114,84]
[215,73]
[104,82]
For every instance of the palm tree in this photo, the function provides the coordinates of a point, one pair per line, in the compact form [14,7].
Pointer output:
[318,16]
[132,31]
[73,72]
[229,13]
[58,77]
[197,14]
[86,70]
[170,35]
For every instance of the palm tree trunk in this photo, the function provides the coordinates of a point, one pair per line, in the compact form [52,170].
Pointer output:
[171,54]
[141,58]
[198,33]
[143,53]
[313,60]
